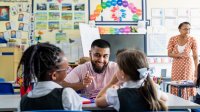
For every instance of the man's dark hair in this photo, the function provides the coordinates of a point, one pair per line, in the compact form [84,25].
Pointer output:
[100,43]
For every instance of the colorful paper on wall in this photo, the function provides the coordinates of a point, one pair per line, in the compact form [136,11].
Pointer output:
[41,25]
[61,37]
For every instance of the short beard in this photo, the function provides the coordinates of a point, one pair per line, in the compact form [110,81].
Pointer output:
[99,70]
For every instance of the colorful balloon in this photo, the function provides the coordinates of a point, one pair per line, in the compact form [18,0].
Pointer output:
[101,30]
[99,7]
[127,29]
[135,17]
[107,30]
[139,12]
[133,10]
[121,30]
[113,2]
[131,5]
[116,30]
[119,2]
[97,12]
[92,17]
[103,5]
[112,31]
[125,3]
[108,4]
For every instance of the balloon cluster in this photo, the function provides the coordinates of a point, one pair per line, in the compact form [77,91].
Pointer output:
[96,13]
[124,30]
[115,4]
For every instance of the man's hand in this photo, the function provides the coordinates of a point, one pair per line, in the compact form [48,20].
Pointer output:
[87,80]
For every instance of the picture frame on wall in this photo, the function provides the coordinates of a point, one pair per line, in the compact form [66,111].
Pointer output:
[4,13]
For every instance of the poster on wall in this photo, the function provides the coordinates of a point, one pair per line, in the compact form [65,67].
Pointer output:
[66,25]
[41,16]
[41,25]
[53,25]
[79,16]
[4,13]
[67,16]
[66,7]
[41,6]
[79,7]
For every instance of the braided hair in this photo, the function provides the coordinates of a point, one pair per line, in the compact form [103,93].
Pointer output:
[38,61]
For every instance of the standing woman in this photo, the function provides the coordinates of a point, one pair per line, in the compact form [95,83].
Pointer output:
[184,65]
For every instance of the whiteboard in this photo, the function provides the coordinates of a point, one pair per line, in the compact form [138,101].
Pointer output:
[88,35]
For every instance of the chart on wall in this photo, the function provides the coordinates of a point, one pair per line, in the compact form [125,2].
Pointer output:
[115,10]
[59,14]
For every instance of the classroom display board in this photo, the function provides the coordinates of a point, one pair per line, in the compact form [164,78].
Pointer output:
[59,14]
[58,20]
[15,21]
[115,10]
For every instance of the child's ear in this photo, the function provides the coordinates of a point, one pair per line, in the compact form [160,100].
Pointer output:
[53,76]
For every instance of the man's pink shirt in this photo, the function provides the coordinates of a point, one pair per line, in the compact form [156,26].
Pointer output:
[100,80]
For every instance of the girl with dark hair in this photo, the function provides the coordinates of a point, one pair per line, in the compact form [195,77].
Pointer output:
[138,92]
[46,65]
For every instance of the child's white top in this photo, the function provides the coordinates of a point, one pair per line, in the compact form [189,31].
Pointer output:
[70,99]
[112,96]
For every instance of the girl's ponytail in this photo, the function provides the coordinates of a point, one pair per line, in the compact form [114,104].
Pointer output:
[149,93]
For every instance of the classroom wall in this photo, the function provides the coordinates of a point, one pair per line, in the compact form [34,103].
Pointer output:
[169,32]
[171,4]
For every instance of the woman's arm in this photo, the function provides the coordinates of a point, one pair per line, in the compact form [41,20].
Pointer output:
[196,61]
[170,48]
[173,55]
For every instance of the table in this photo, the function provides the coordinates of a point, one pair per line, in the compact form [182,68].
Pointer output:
[175,102]
[179,86]
[11,103]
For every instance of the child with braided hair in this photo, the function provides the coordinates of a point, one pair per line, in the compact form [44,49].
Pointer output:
[46,65]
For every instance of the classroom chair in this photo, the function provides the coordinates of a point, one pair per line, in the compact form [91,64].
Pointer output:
[2,79]
[6,88]
[195,110]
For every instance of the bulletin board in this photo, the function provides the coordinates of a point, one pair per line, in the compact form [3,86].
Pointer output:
[15,21]
[115,10]
[59,19]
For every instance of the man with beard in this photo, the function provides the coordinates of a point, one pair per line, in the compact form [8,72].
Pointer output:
[92,76]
